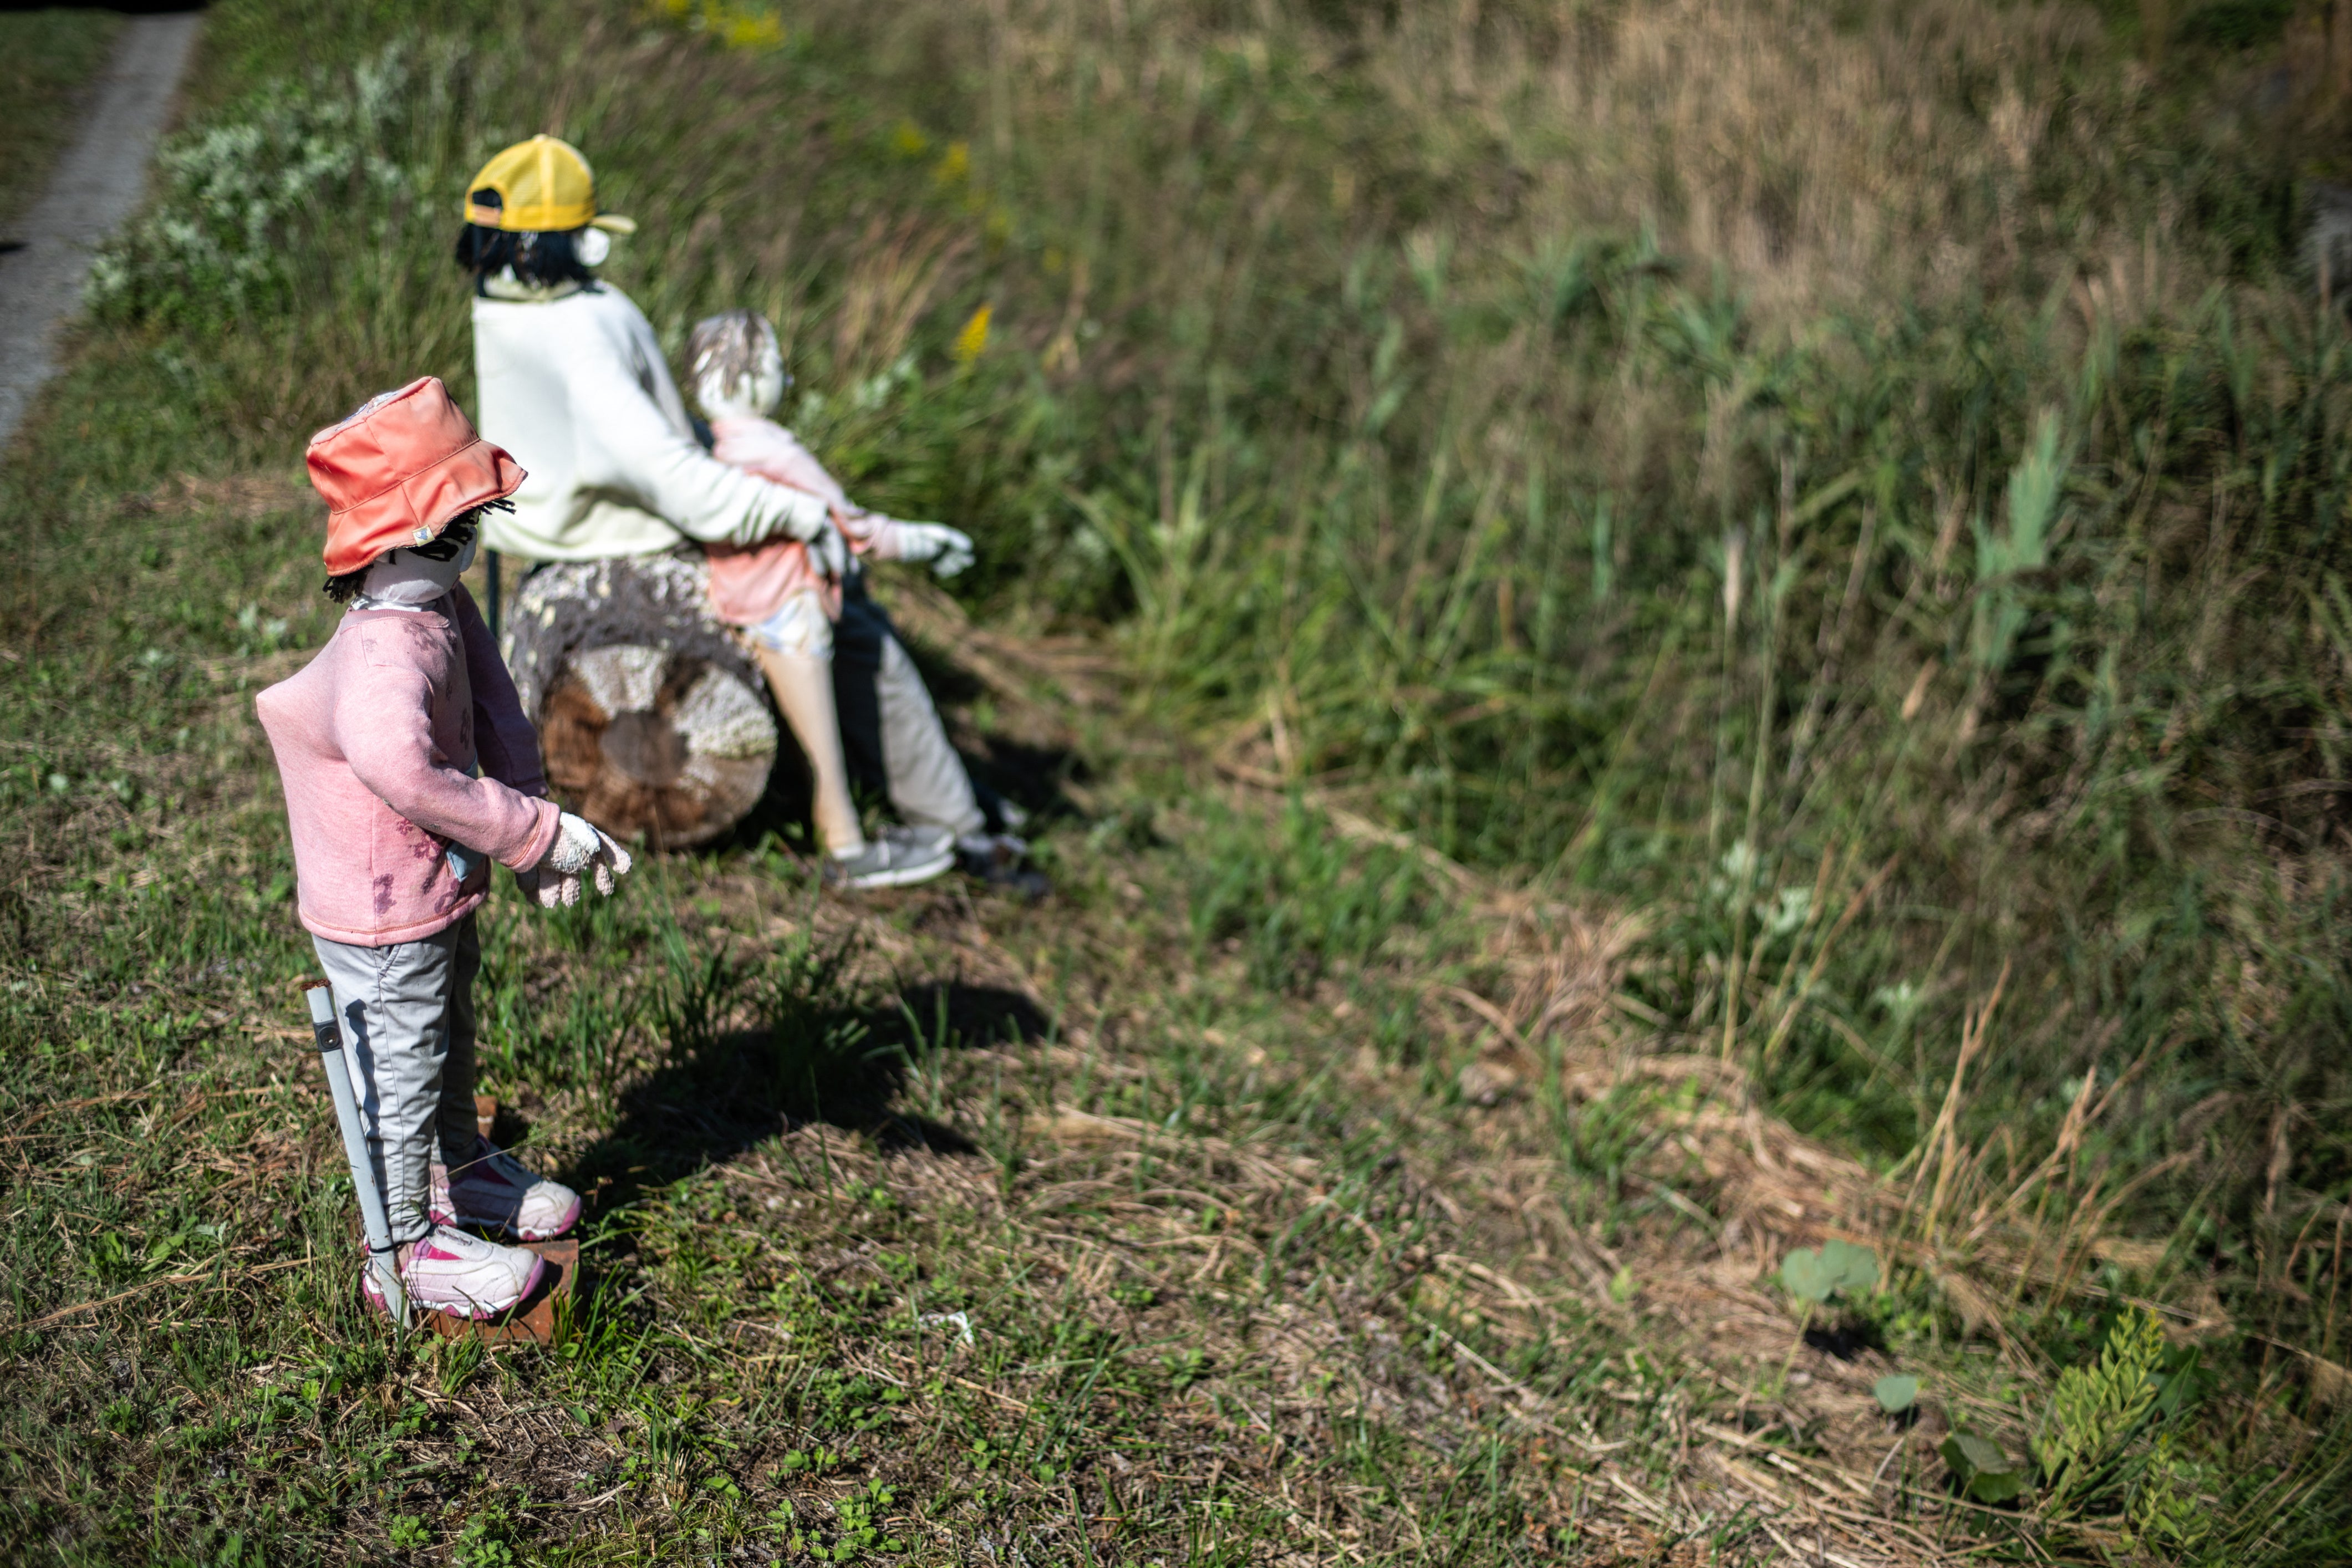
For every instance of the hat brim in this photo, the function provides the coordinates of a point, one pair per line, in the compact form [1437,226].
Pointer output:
[546,220]
[426,502]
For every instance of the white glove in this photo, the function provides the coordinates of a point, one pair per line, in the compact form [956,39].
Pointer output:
[580,847]
[949,550]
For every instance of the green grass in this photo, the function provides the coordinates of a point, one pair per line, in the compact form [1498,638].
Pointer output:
[1399,398]
[46,59]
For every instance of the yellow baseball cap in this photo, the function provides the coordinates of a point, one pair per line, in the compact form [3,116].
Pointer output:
[544,184]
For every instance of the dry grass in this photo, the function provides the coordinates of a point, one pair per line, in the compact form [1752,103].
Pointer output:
[1831,160]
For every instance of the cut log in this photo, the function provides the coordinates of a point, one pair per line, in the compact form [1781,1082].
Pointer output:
[653,721]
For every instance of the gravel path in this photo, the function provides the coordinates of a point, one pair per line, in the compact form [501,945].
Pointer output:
[98,184]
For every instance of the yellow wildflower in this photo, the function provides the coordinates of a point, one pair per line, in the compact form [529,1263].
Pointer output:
[955,165]
[972,339]
[734,23]
[753,30]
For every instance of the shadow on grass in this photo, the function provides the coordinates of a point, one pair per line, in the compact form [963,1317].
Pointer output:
[1845,1341]
[821,1055]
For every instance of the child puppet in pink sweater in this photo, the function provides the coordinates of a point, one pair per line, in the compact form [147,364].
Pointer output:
[786,597]
[408,767]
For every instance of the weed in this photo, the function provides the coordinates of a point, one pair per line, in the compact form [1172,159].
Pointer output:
[1301,900]
[2096,1410]
[482,1542]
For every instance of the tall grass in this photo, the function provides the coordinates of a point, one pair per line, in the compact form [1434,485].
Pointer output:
[1738,455]
[1866,478]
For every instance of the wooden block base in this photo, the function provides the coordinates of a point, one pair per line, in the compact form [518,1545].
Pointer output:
[531,1321]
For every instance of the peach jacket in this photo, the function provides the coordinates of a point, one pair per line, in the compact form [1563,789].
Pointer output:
[749,583]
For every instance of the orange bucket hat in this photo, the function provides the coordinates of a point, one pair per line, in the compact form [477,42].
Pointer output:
[400,469]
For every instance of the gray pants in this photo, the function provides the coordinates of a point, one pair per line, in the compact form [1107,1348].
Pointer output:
[928,784]
[890,733]
[407,1015]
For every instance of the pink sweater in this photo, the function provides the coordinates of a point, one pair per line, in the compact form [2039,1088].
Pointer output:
[376,739]
[748,583]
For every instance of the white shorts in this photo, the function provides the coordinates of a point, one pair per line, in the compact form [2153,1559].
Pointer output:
[800,626]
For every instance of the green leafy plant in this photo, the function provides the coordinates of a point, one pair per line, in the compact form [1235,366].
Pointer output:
[1985,1471]
[1838,1268]
[2166,1512]
[859,1521]
[1183,1369]
[1814,1276]
[482,1543]
[457,1363]
[814,1460]
[232,187]
[2093,1415]
[2036,486]
[1895,1394]
[2096,1411]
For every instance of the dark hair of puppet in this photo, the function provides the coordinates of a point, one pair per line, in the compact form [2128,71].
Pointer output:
[534,256]
[344,586]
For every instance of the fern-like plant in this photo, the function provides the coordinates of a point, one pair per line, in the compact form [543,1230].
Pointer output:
[2097,1410]
[2036,490]
[2166,1513]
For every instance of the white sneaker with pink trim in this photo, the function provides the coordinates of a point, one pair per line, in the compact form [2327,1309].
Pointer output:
[497,1192]
[464,1275]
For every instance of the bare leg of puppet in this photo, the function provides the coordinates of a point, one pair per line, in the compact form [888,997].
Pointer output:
[803,683]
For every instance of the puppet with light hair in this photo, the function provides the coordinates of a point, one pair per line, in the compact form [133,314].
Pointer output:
[789,608]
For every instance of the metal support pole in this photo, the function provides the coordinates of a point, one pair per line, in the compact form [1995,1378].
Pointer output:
[491,571]
[382,1259]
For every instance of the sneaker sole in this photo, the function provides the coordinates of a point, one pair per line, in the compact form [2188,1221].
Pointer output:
[498,1228]
[470,1311]
[898,876]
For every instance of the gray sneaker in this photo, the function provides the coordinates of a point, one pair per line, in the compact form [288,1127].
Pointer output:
[899,857]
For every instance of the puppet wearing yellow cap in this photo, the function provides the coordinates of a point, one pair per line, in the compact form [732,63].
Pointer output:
[541,185]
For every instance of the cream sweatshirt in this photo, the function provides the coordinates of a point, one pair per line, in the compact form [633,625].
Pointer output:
[576,389]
